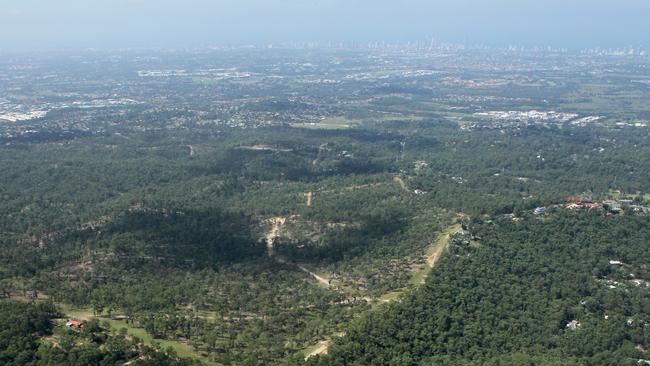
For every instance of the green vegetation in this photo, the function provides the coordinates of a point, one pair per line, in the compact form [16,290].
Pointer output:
[190,210]
[29,337]
[178,246]
[183,350]
[490,305]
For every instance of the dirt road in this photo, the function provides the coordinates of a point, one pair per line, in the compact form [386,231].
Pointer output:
[320,349]
[318,278]
[401,182]
[435,251]
[276,225]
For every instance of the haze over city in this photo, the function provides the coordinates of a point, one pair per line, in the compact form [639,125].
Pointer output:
[40,24]
[324,182]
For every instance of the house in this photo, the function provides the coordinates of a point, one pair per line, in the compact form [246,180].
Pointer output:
[540,210]
[72,323]
[462,232]
[612,207]
[573,206]
[575,199]
[637,208]
[616,263]
[573,325]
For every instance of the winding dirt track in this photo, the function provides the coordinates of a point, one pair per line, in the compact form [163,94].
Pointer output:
[318,278]
[276,228]
[432,256]
[435,252]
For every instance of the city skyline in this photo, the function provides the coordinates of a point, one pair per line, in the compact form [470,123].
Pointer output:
[578,24]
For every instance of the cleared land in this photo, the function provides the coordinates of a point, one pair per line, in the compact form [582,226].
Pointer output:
[334,123]
[419,275]
[182,349]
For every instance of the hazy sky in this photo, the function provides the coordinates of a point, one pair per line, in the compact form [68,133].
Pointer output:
[158,23]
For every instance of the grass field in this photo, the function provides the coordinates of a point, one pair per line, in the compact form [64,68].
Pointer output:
[334,123]
[337,123]
[317,349]
[598,99]
[181,348]
[419,275]
[433,254]
[617,196]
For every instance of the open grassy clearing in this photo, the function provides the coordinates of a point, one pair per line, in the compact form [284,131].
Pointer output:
[434,253]
[397,117]
[334,123]
[617,195]
[317,349]
[598,99]
[182,349]
[419,275]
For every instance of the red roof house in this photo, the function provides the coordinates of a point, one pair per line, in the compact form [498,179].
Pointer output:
[72,323]
[575,199]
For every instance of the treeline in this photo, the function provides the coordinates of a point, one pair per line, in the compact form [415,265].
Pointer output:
[181,232]
[25,326]
[512,297]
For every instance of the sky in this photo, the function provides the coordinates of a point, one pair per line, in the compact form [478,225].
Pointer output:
[53,24]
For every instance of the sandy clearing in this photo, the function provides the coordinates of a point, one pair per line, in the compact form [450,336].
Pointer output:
[276,225]
[321,148]
[320,349]
[401,182]
[318,278]
[435,251]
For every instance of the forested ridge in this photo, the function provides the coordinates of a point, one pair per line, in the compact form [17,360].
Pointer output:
[170,242]
[511,299]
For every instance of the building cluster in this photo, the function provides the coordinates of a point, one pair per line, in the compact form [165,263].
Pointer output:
[530,116]
[612,206]
[584,121]
[22,116]
[168,90]
[465,98]
[209,74]
[639,123]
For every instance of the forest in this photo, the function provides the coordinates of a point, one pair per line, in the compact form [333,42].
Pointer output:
[250,247]
[511,298]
